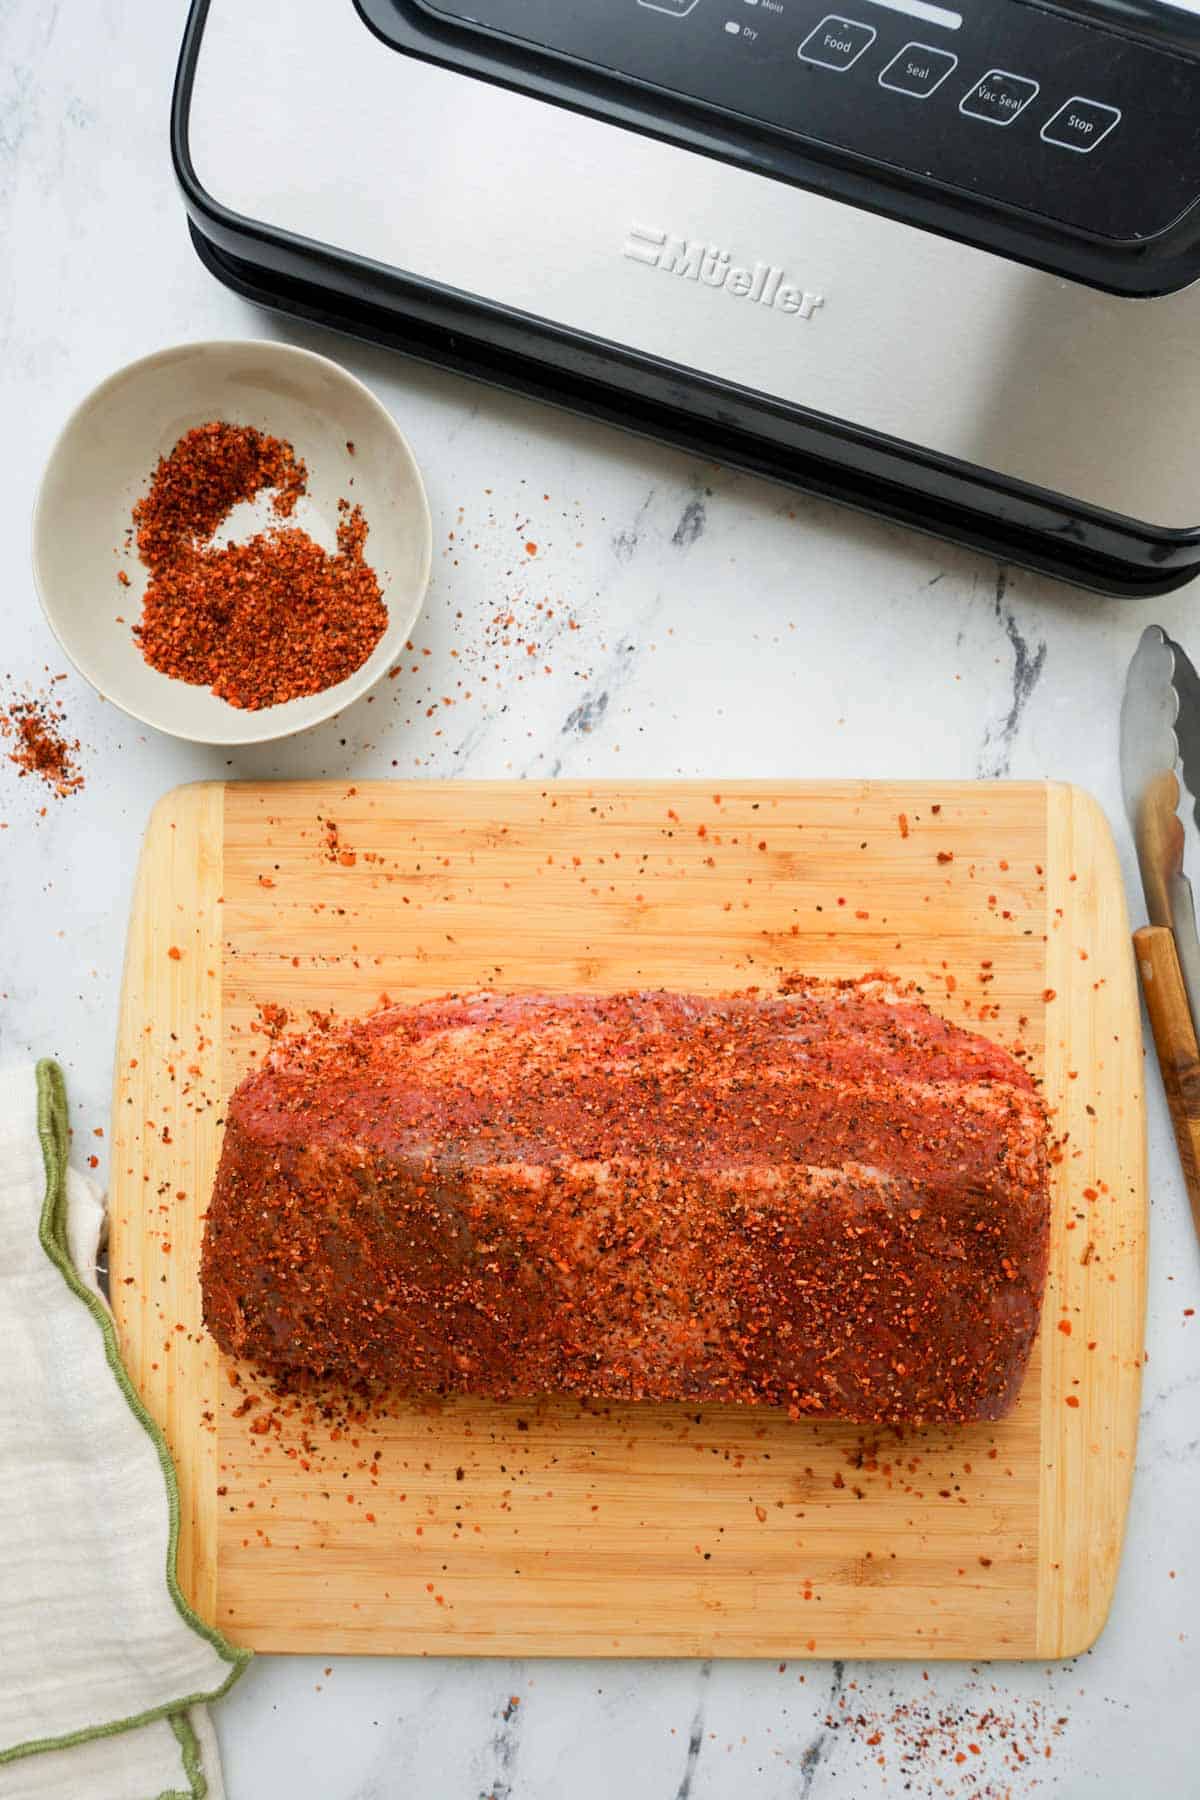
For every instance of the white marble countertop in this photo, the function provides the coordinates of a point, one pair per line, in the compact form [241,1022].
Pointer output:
[727,628]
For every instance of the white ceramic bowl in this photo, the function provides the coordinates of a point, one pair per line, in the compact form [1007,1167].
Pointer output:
[102,463]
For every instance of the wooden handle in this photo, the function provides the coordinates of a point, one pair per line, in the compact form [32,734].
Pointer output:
[1175,1042]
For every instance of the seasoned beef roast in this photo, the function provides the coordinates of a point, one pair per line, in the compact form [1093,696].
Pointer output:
[832,1201]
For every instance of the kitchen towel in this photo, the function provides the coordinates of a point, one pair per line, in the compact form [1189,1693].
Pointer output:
[104,1668]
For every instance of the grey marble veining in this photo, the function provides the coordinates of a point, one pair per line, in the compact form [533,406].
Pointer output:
[685,621]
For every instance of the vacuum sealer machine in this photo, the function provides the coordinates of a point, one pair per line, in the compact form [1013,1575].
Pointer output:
[941,264]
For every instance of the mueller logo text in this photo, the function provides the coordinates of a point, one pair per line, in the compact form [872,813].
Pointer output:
[694,259]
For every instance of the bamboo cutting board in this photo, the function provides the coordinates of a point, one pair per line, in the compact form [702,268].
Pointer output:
[566,1529]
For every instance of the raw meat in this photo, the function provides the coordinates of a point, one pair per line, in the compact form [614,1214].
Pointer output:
[832,1201]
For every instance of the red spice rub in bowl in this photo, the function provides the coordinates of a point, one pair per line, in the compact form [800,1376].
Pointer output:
[260,622]
[833,1201]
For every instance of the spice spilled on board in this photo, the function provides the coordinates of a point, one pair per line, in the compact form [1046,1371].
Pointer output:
[34,739]
[260,622]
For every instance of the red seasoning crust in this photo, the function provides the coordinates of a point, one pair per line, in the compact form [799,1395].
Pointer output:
[833,1201]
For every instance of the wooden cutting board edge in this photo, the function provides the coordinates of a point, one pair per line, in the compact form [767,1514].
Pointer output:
[175,1364]
[172,1361]
[1078,1559]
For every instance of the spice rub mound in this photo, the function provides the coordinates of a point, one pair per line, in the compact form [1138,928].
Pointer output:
[260,622]
[832,1201]
[35,728]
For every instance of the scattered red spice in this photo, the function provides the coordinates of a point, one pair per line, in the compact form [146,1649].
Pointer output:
[335,850]
[41,747]
[260,622]
[928,1743]
[273,1019]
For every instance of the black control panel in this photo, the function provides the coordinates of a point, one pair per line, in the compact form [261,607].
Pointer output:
[1059,138]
